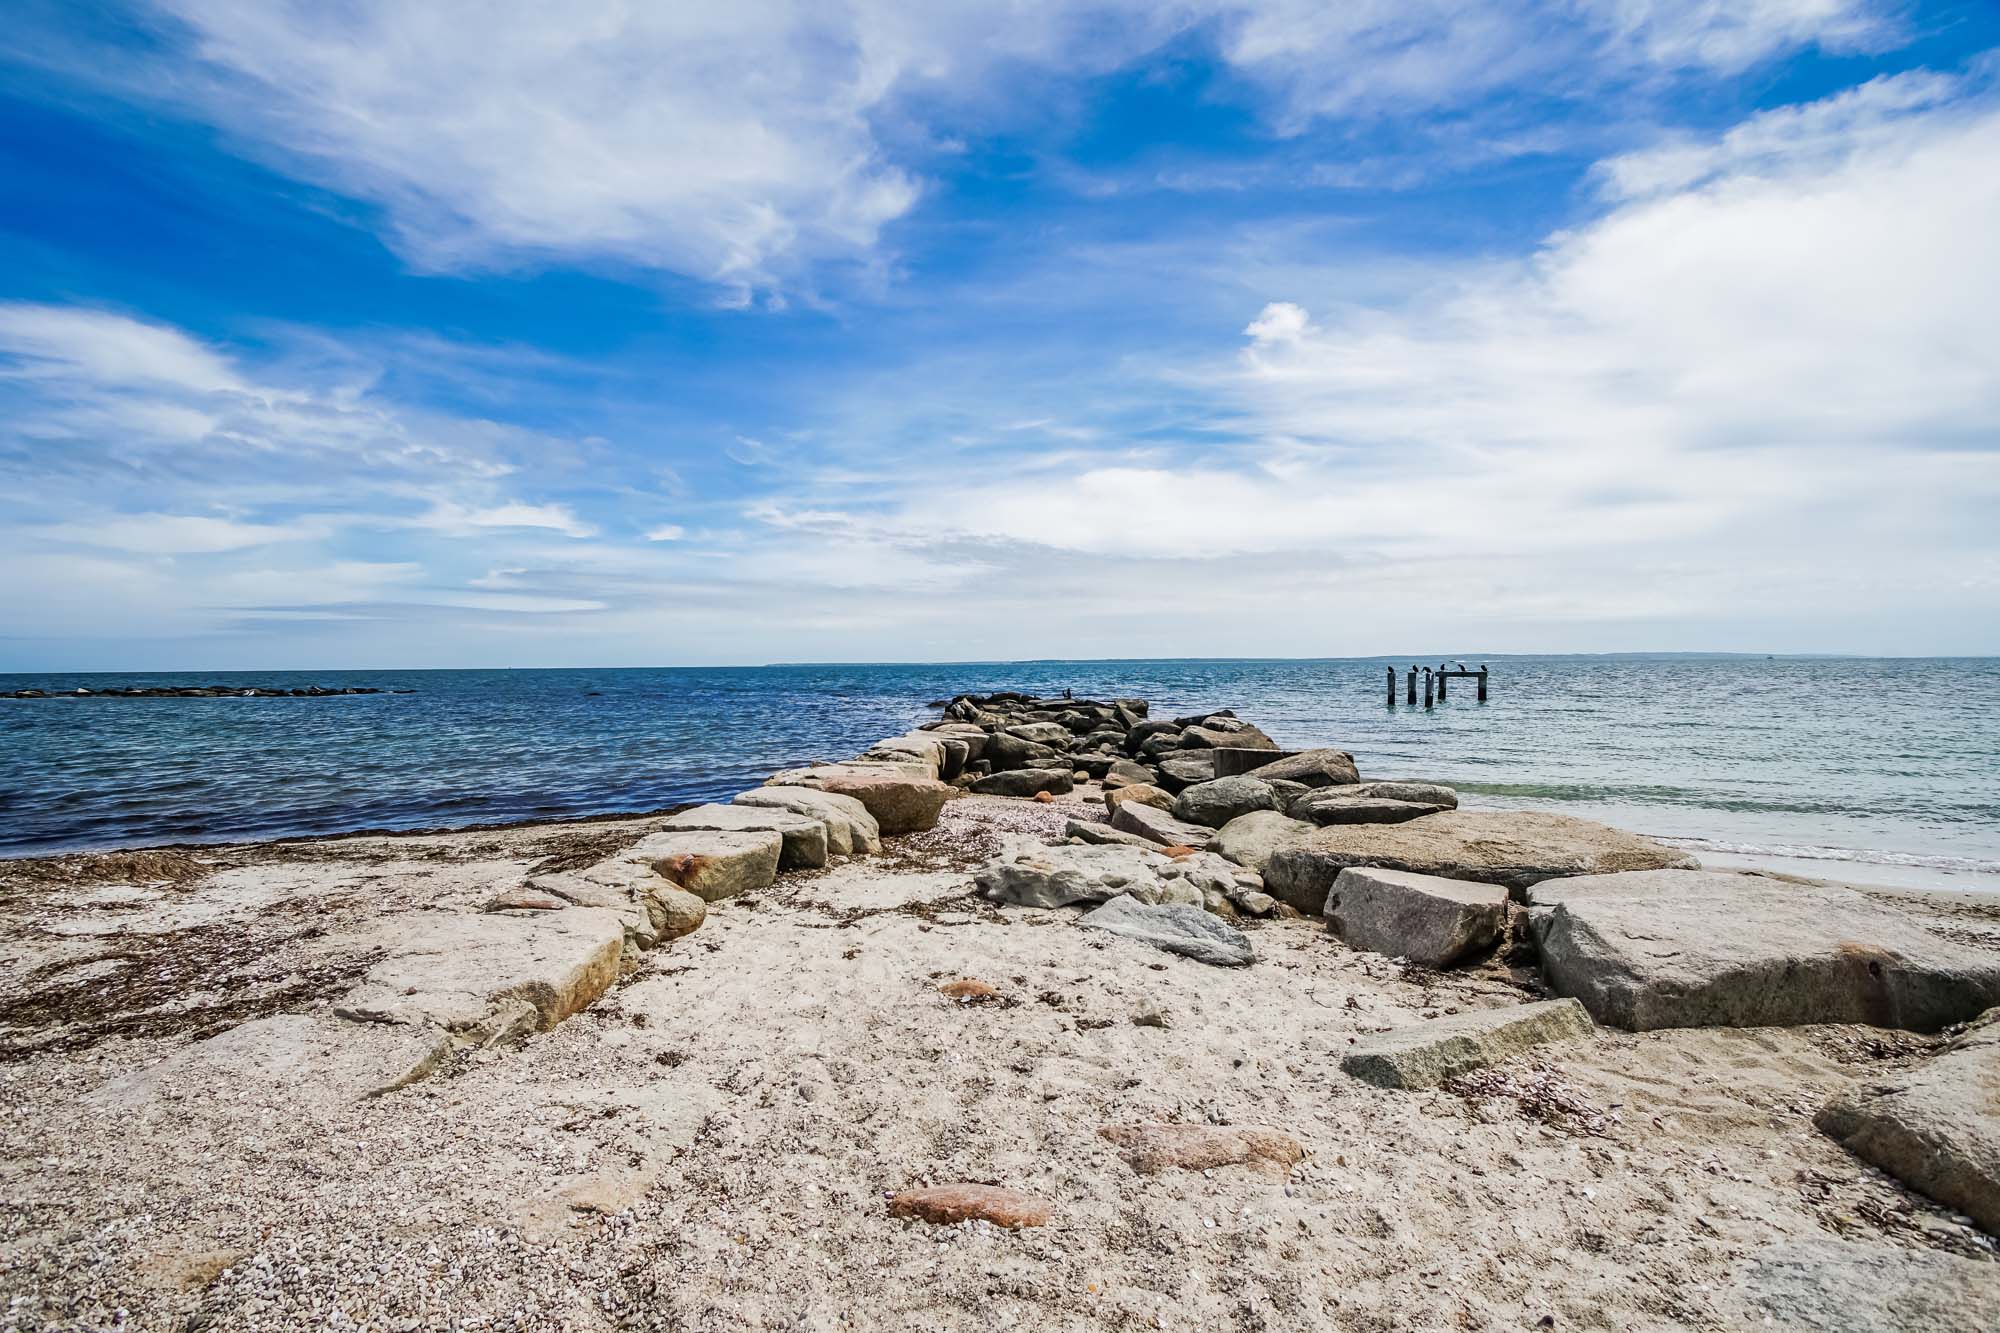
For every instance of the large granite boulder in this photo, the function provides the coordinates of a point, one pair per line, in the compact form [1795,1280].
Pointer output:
[1253,839]
[1025,782]
[1218,733]
[1181,771]
[942,757]
[1216,803]
[1078,830]
[1423,1055]
[901,800]
[1234,761]
[1863,1286]
[1686,948]
[1150,822]
[1936,1128]
[1176,928]
[1052,734]
[1315,768]
[711,865]
[1511,847]
[805,840]
[490,978]
[1138,793]
[1029,874]
[1125,773]
[1006,751]
[1371,802]
[1424,918]
[1328,806]
[850,829]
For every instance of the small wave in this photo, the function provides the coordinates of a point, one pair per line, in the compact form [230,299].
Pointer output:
[1864,855]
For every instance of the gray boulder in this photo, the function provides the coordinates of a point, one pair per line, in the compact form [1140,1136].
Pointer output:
[1253,839]
[1234,761]
[1151,822]
[1217,802]
[1005,751]
[1327,806]
[1185,770]
[1683,948]
[1511,847]
[1423,918]
[1138,793]
[850,829]
[1936,1128]
[1125,773]
[1315,768]
[1030,874]
[1179,928]
[1423,1055]
[1052,734]
[1025,782]
[1234,735]
[1079,830]
[1145,731]
[805,838]
[1866,1286]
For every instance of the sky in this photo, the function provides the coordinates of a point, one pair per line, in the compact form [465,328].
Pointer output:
[362,334]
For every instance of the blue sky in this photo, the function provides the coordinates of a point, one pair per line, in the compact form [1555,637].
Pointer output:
[371,334]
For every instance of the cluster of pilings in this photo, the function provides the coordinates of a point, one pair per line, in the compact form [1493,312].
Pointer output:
[1440,679]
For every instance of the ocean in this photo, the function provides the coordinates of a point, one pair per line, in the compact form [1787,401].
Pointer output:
[1874,770]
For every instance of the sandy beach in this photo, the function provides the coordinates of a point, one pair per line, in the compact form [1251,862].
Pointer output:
[710,1144]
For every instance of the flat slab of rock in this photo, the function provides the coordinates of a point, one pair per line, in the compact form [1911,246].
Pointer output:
[1683,948]
[712,864]
[900,801]
[1178,928]
[1327,805]
[1159,826]
[1511,847]
[1104,835]
[299,1059]
[1185,769]
[1424,918]
[1936,1128]
[1215,803]
[948,1205]
[1151,1149]
[1423,1055]
[486,978]
[805,844]
[1029,874]
[1315,768]
[1026,782]
[1253,839]
[1841,1286]
[850,829]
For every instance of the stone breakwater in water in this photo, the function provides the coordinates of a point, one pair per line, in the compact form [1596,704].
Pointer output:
[1171,847]
[201,692]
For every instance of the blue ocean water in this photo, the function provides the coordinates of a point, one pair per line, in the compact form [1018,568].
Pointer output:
[1877,770]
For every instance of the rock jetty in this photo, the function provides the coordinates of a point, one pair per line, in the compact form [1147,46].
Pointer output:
[845,1041]
[203,692]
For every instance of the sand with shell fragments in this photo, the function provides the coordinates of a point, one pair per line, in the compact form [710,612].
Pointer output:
[711,1144]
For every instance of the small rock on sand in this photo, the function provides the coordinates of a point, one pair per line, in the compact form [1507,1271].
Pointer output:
[1154,1148]
[947,1205]
[970,990]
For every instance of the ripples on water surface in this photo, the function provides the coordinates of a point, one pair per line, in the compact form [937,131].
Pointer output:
[1892,766]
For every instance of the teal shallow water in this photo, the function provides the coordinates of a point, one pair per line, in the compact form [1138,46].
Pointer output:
[1881,770]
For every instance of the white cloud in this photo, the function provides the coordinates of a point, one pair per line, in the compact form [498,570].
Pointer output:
[666,532]
[459,520]
[177,534]
[744,143]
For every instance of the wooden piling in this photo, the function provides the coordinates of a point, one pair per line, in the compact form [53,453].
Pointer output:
[1413,687]
[1444,684]
[1427,687]
[1482,682]
[1392,687]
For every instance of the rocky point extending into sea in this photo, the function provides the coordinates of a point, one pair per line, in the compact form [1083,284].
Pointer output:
[1047,1012]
